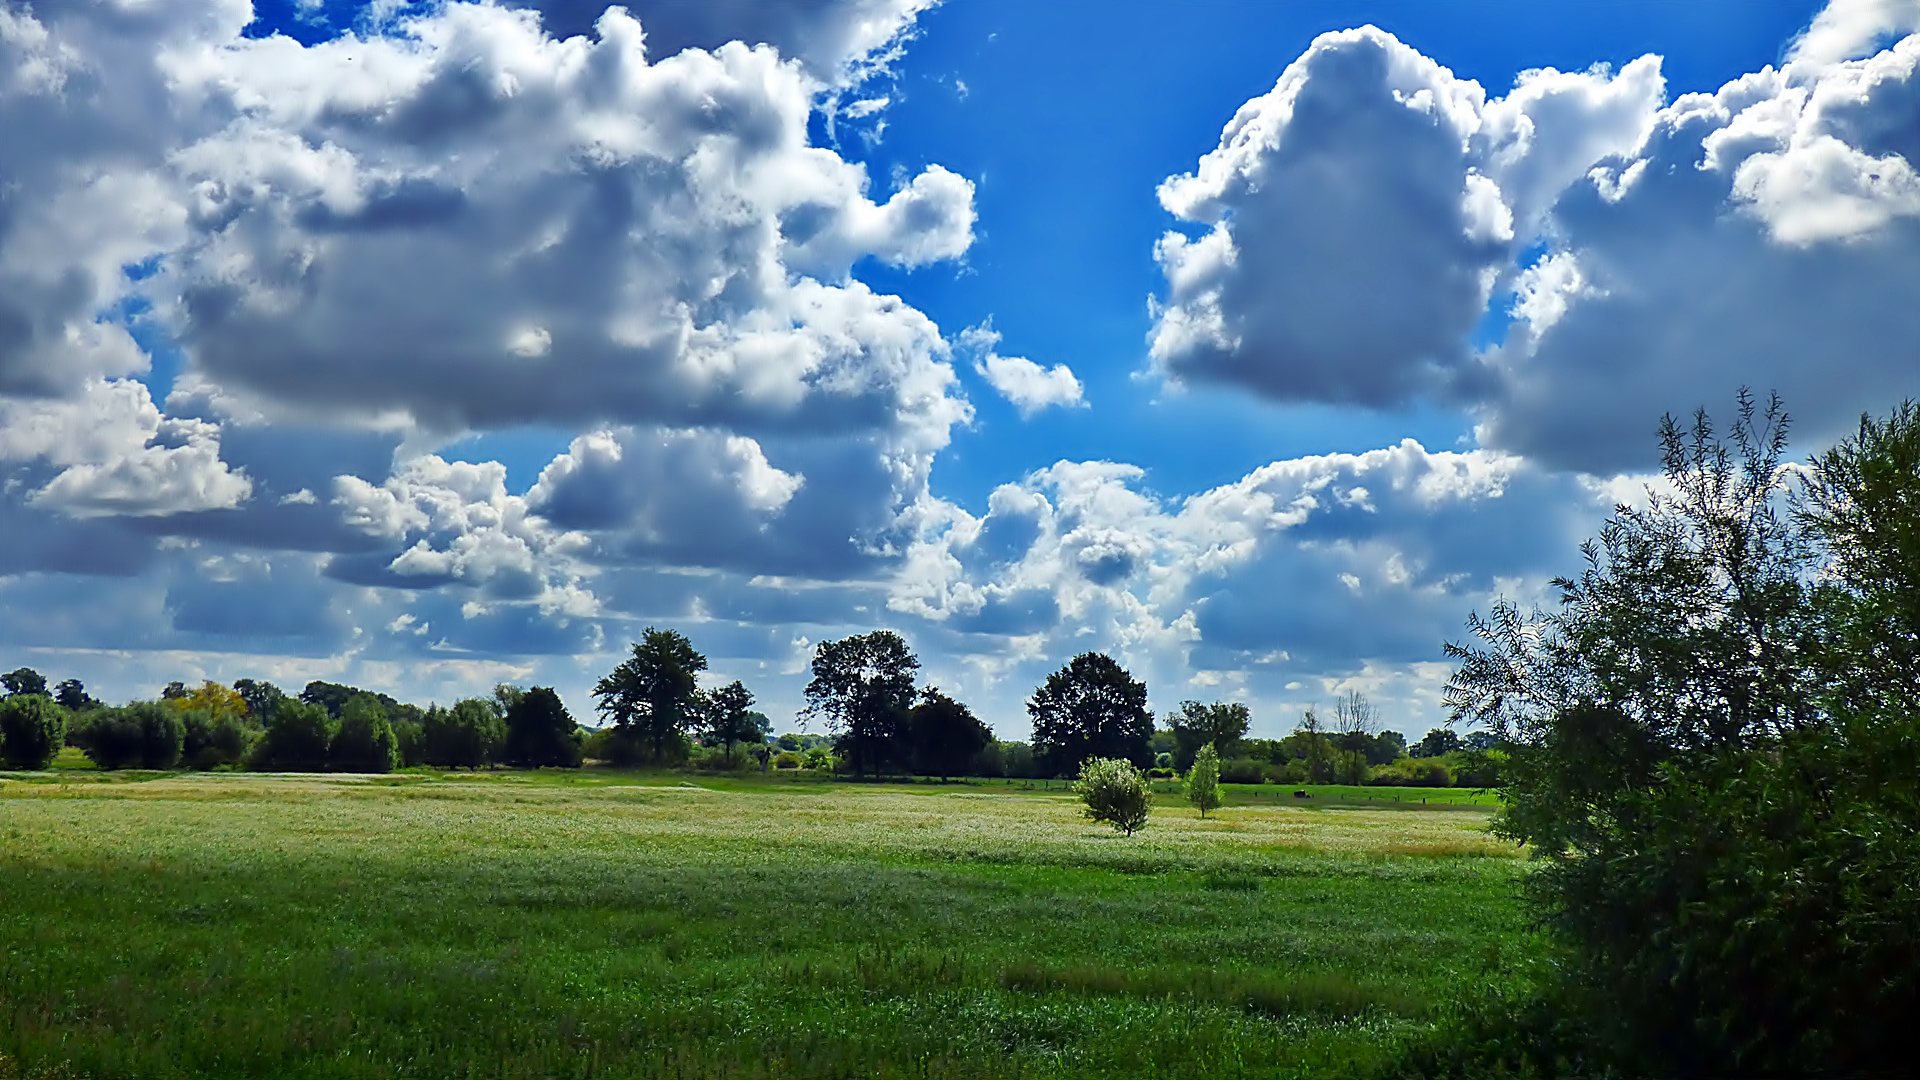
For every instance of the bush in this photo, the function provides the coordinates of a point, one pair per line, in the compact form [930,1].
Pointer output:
[786,759]
[297,739]
[33,728]
[1114,792]
[1243,771]
[145,734]
[364,742]
[1413,772]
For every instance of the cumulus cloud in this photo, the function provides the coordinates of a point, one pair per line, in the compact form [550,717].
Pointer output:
[1028,386]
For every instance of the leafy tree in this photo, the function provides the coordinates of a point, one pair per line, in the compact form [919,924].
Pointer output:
[173,691]
[260,697]
[1090,708]
[1115,792]
[651,695]
[298,738]
[944,735]
[1219,725]
[470,735]
[1436,742]
[863,687]
[727,717]
[72,696]
[364,741]
[32,729]
[332,697]
[540,732]
[144,734]
[1203,780]
[1315,749]
[212,742]
[213,699]
[1356,723]
[24,682]
[1711,745]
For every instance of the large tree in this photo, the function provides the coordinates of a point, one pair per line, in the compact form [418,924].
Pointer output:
[22,682]
[1713,747]
[944,735]
[651,695]
[862,686]
[541,732]
[1220,725]
[1090,708]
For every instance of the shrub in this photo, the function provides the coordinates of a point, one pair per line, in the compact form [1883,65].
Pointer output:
[364,741]
[1413,772]
[467,736]
[1203,781]
[296,740]
[1243,771]
[1114,792]
[1162,774]
[32,730]
[786,759]
[145,734]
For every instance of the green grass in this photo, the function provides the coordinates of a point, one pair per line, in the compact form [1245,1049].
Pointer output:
[602,923]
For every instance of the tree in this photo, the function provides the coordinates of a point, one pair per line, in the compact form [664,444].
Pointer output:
[1316,750]
[1356,723]
[32,730]
[727,717]
[72,696]
[1436,742]
[469,735]
[298,738]
[863,687]
[944,736]
[540,732]
[144,734]
[1219,725]
[1203,781]
[330,696]
[211,742]
[261,698]
[364,742]
[1115,792]
[1090,708]
[1710,745]
[651,695]
[24,682]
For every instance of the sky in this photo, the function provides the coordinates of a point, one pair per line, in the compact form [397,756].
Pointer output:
[427,346]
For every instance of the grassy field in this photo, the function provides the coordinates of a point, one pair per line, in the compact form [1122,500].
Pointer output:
[608,924]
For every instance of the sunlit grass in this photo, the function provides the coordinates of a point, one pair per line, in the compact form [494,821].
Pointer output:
[609,924]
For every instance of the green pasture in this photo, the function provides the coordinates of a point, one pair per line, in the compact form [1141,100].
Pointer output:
[599,923]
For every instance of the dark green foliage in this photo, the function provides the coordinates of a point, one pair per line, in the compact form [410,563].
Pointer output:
[212,742]
[1220,725]
[540,732]
[470,735]
[727,717]
[1090,708]
[72,696]
[32,729]
[863,687]
[263,698]
[1436,742]
[143,735]
[1114,792]
[652,694]
[297,739]
[24,682]
[1718,760]
[364,741]
[944,735]
[1242,771]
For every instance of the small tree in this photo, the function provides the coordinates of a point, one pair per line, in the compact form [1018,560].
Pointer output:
[1203,782]
[1115,792]
[32,730]
[727,717]
[72,696]
[541,732]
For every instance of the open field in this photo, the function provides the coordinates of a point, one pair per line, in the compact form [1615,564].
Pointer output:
[609,924]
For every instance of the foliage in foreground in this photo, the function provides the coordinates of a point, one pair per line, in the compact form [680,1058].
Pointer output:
[1115,792]
[1715,751]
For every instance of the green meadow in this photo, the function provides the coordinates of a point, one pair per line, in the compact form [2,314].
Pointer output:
[605,924]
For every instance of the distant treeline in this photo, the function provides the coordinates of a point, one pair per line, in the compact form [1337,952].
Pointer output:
[863,691]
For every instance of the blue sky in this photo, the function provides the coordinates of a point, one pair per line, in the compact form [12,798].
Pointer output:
[415,347]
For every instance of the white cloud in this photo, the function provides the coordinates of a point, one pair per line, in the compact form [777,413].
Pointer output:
[1849,29]
[1028,386]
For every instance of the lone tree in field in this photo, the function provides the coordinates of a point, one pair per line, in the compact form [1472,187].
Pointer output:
[1090,708]
[944,735]
[727,717]
[863,687]
[1115,792]
[651,695]
[1203,782]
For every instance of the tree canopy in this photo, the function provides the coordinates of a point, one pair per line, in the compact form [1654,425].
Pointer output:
[652,694]
[1090,708]
[863,686]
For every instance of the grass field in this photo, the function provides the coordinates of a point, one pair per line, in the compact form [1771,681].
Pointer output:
[608,924]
